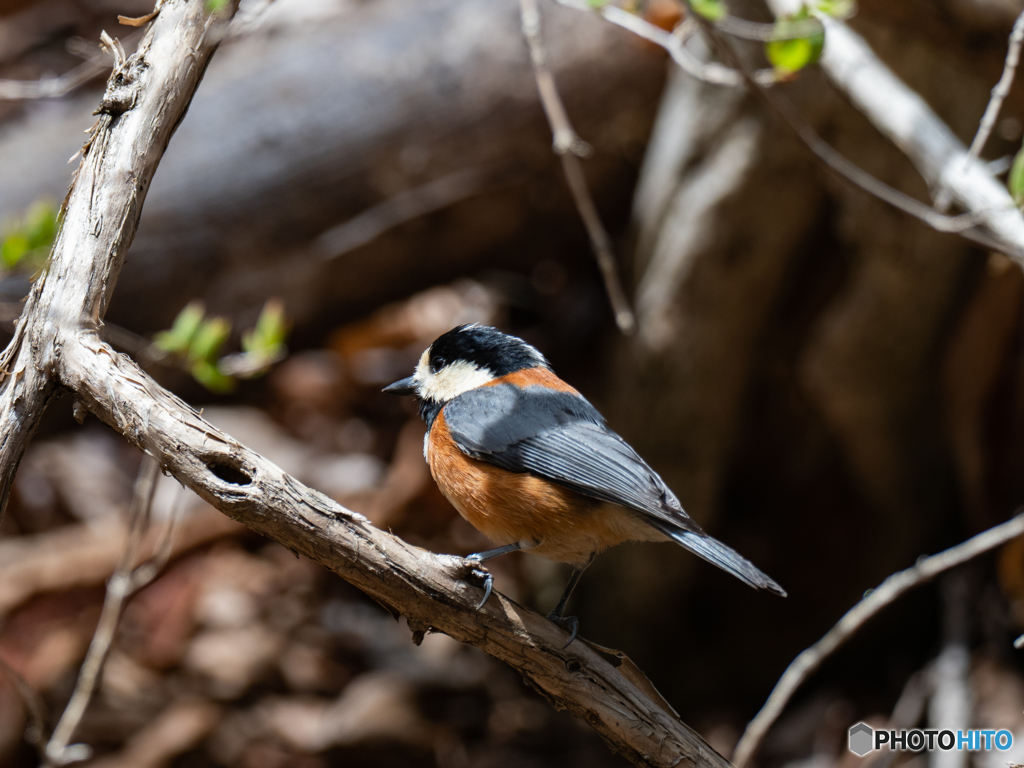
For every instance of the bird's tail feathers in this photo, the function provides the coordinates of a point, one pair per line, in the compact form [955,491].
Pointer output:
[716,553]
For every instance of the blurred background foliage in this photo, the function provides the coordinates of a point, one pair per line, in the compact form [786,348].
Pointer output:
[829,387]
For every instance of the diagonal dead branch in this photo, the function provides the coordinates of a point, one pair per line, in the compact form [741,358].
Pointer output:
[888,592]
[422,586]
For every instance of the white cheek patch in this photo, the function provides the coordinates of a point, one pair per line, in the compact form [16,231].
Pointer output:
[451,381]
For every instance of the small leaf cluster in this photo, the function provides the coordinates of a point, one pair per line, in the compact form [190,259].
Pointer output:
[27,241]
[197,340]
[789,54]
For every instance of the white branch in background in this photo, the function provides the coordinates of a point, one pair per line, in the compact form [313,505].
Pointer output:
[875,600]
[570,148]
[904,117]
[896,110]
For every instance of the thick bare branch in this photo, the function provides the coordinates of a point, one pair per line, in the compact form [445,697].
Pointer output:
[424,587]
[147,94]
[58,342]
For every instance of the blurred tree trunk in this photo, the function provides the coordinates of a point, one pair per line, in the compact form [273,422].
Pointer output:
[306,122]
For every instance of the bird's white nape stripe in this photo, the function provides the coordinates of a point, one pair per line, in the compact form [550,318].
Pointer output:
[451,381]
[538,358]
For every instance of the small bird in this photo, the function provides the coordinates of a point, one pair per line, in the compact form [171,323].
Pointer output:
[531,464]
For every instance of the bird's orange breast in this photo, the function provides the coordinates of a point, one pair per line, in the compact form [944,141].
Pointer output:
[507,507]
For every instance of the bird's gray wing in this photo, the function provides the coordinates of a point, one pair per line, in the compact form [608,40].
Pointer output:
[561,437]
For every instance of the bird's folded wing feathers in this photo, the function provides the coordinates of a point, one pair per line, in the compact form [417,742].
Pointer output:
[561,437]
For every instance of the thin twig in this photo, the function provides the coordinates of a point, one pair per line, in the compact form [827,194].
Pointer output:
[35,731]
[126,580]
[399,209]
[570,148]
[1001,91]
[889,591]
[55,87]
[907,712]
[995,104]
[708,72]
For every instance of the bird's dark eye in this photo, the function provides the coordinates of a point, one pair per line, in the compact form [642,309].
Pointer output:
[437,362]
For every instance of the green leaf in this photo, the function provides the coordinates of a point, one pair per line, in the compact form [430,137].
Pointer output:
[712,10]
[1015,181]
[208,339]
[215,6]
[27,239]
[207,374]
[597,4]
[40,224]
[789,56]
[178,339]
[271,329]
[14,248]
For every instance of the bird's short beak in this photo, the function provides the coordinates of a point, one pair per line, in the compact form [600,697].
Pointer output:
[404,387]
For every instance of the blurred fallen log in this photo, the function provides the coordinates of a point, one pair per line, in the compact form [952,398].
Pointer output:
[176,730]
[86,555]
[306,125]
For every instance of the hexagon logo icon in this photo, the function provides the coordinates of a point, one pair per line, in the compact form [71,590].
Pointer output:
[861,739]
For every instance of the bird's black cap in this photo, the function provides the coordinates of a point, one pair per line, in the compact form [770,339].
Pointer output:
[485,347]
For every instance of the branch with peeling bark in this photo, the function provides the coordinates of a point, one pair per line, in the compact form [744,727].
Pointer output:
[57,344]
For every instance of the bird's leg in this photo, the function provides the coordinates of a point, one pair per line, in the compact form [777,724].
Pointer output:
[569,623]
[473,564]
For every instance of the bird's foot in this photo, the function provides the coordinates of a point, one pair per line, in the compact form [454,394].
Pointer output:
[569,623]
[473,571]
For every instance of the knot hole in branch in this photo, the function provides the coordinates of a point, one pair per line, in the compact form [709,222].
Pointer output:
[229,472]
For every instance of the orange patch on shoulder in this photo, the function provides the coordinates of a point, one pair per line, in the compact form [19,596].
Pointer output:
[528,377]
[508,507]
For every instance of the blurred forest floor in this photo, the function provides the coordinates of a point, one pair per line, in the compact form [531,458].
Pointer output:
[830,387]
